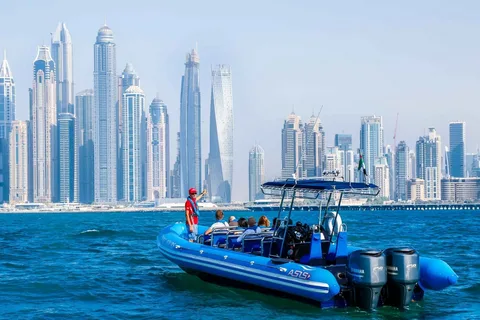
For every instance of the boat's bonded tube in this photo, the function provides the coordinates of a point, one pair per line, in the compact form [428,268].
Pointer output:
[313,283]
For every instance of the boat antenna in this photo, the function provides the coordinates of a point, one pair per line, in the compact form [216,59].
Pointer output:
[304,147]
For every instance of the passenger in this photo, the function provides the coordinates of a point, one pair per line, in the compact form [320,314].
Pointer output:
[192,213]
[263,222]
[242,223]
[232,221]
[252,228]
[219,224]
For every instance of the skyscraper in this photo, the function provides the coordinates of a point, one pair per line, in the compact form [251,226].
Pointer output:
[44,127]
[402,160]
[457,150]
[84,105]
[190,131]
[382,176]
[105,117]
[371,141]
[344,143]
[7,115]
[220,159]
[429,163]
[333,160]
[19,162]
[175,178]
[62,55]
[127,79]
[67,158]
[412,165]
[158,151]
[292,147]
[314,140]
[256,172]
[133,104]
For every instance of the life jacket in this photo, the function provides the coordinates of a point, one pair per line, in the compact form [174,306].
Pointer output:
[196,212]
[254,228]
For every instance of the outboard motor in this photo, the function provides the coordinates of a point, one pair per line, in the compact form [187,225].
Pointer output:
[403,273]
[367,272]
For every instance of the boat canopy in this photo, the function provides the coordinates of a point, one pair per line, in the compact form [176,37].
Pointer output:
[321,185]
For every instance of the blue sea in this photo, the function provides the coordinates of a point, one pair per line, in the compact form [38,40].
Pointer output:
[107,266]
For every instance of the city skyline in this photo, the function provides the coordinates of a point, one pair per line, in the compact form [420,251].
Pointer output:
[410,126]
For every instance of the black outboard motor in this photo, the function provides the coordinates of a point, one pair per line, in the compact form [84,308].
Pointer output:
[367,272]
[403,273]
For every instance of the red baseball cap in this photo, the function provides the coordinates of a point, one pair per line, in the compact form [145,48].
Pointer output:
[192,191]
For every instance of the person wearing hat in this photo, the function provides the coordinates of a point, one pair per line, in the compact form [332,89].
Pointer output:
[192,213]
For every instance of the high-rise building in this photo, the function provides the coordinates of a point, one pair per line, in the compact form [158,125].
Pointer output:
[44,128]
[382,176]
[314,140]
[461,189]
[256,172]
[347,164]
[343,141]
[292,147]
[7,115]
[190,126]
[333,160]
[19,162]
[84,105]
[416,190]
[220,158]
[67,158]
[429,163]
[158,152]
[133,104]
[105,117]
[175,177]
[402,161]
[457,150]
[412,165]
[127,79]
[62,55]
[371,142]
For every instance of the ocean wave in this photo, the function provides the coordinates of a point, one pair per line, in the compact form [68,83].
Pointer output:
[91,230]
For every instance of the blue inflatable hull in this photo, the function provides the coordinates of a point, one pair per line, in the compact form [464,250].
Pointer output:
[311,283]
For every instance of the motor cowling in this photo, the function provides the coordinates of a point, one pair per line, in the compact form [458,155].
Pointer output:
[367,273]
[403,273]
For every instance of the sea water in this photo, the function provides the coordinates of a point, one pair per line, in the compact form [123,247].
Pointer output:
[107,266]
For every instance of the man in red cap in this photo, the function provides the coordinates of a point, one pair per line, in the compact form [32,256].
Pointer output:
[192,213]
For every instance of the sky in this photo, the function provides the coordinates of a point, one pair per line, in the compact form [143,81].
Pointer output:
[419,59]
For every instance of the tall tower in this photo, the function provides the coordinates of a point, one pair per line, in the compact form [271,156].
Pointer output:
[429,163]
[67,158]
[314,139]
[220,159]
[457,159]
[44,127]
[382,176]
[19,162]
[84,105]
[371,142]
[105,117]
[7,115]
[190,131]
[256,172]
[62,55]
[292,147]
[127,79]
[133,104]
[158,151]
[402,171]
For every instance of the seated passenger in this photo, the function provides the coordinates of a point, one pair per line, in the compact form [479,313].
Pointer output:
[242,223]
[219,224]
[232,221]
[252,228]
[263,222]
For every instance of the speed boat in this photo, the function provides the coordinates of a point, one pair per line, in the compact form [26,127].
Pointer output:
[312,263]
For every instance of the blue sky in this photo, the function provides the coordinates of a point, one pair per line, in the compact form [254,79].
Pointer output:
[420,59]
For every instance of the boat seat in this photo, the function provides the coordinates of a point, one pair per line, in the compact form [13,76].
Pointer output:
[266,245]
[252,242]
[302,250]
[232,242]
[218,238]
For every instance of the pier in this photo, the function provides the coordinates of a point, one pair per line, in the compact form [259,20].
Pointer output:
[376,207]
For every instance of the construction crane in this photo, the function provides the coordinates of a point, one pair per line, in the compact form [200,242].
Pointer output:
[395,134]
